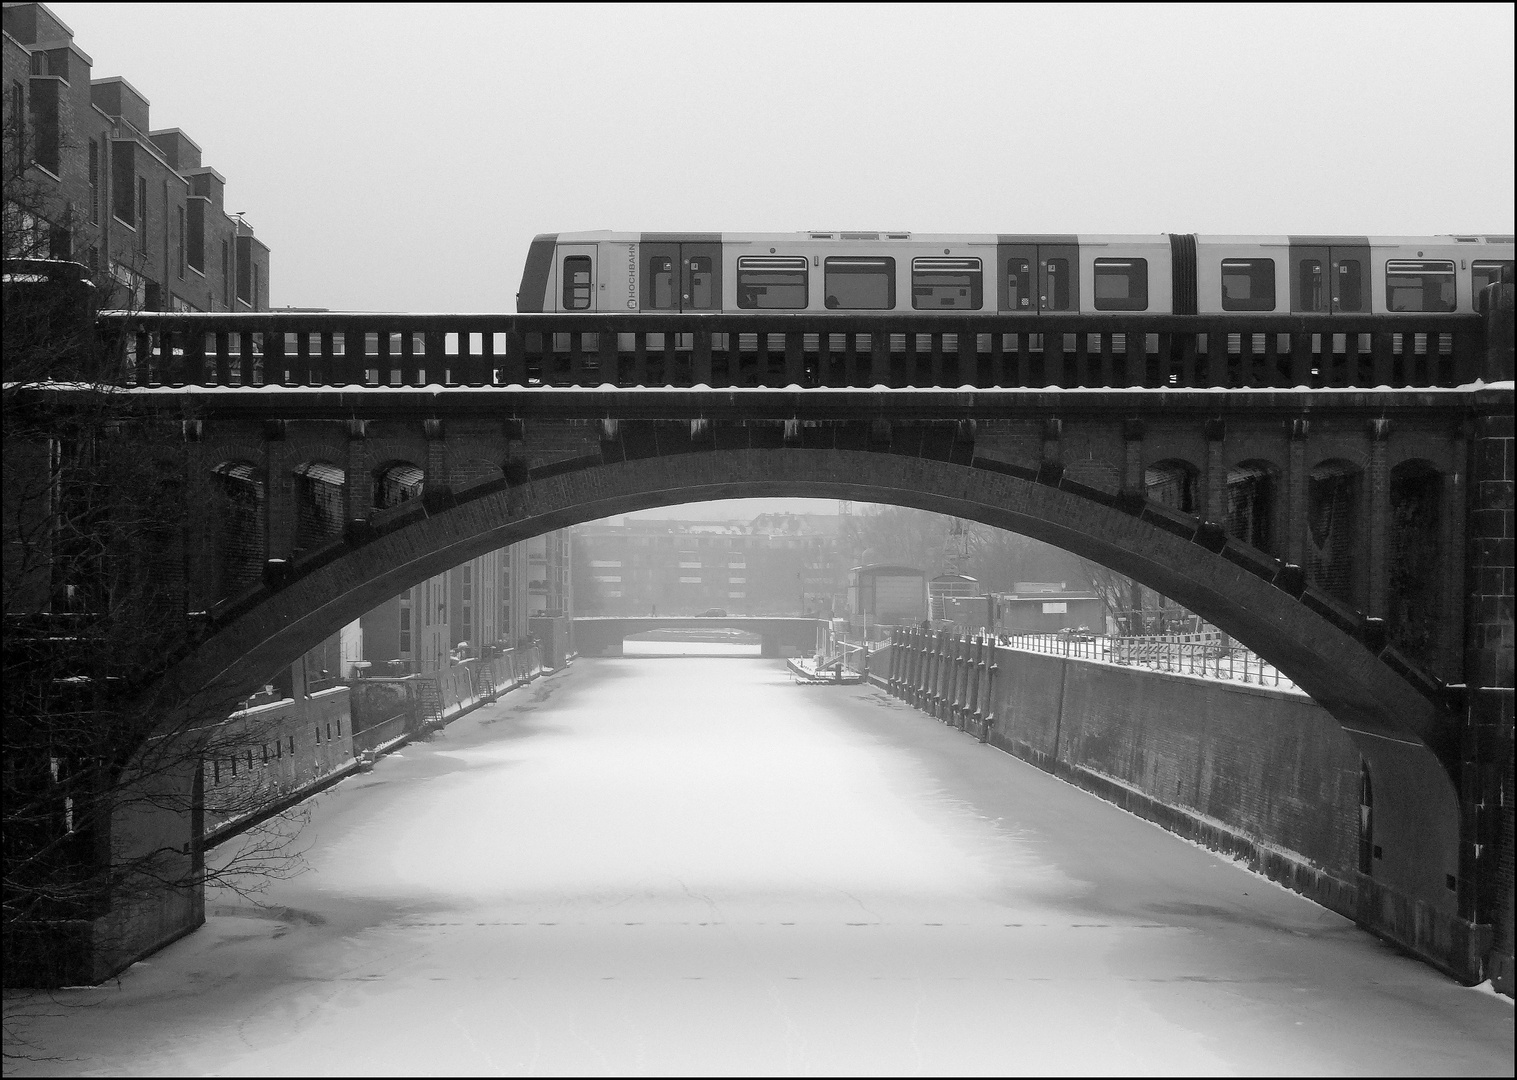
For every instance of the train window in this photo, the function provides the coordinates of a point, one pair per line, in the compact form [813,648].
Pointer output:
[1056,290]
[577,283]
[1121,284]
[1019,286]
[771,281]
[1418,285]
[700,282]
[1248,284]
[1312,298]
[954,284]
[1350,286]
[661,269]
[1483,274]
[860,283]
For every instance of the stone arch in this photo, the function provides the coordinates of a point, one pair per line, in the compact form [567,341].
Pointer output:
[396,482]
[1334,524]
[240,526]
[1397,723]
[1415,558]
[1173,482]
[318,504]
[1251,504]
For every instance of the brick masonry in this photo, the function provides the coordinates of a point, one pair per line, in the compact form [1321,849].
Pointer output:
[586,469]
[1486,790]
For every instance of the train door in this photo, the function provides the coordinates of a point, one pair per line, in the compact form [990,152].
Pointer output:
[576,277]
[1019,278]
[682,277]
[1059,277]
[1039,277]
[1330,277]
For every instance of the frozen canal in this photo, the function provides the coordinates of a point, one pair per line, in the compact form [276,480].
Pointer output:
[692,866]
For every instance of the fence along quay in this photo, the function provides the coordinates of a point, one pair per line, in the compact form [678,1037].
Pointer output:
[333,349]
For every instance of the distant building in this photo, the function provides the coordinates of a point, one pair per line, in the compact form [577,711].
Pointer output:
[773,564]
[1041,611]
[881,594]
[88,179]
[488,601]
[941,588]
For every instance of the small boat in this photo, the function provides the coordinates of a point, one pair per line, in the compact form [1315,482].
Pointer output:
[806,669]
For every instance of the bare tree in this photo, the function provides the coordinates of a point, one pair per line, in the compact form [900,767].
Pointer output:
[103,765]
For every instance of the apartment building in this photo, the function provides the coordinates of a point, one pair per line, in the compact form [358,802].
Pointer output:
[773,564]
[89,179]
[489,600]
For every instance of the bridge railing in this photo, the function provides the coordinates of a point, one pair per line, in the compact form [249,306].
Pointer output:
[1208,659]
[331,349]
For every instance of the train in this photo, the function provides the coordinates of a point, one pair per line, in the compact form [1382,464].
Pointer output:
[953,274]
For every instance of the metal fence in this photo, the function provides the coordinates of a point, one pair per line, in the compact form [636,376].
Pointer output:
[804,350]
[1208,658]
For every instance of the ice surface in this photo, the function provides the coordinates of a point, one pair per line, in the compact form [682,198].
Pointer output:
[692,866]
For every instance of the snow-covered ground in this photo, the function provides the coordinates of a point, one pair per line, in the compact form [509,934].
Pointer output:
[694,866]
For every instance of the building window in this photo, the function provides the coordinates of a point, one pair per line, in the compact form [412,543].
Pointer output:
[1248,284]
[952,284]
[179,213]
[772,282]
[19,118]
[860,284]
[94,182]
[142,213]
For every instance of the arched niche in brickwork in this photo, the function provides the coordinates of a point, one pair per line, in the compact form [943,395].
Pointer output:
[1416,559]
[396,482]
[1396,725]
[318,504]
[1174,483]
[1335,529]
[239,524]
[1252,504]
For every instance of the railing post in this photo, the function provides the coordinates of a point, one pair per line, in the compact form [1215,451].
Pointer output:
[194,356]
[514,371]
[955,675]
[795,358]
[409,374]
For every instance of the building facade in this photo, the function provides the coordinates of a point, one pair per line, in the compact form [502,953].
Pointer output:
[88,179]
[487,601]
[775,564]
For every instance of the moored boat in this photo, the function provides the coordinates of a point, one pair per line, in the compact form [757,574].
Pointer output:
[808,669]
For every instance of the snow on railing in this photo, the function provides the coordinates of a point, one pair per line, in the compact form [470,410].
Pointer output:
[1210,659]
[354,349]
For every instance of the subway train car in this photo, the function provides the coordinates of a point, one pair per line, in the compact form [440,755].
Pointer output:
[861,272]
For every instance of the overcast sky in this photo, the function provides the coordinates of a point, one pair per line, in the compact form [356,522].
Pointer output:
[400,157]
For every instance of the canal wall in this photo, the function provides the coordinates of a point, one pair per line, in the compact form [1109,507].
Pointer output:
[1262,774]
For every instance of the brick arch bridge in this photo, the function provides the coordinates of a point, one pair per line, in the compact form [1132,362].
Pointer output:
[1279,514]
[1401,720]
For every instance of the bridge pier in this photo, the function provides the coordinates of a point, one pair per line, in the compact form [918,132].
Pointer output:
[770,644]
[1486,750]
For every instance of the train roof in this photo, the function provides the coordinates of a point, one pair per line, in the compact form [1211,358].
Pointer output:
[1093,239]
